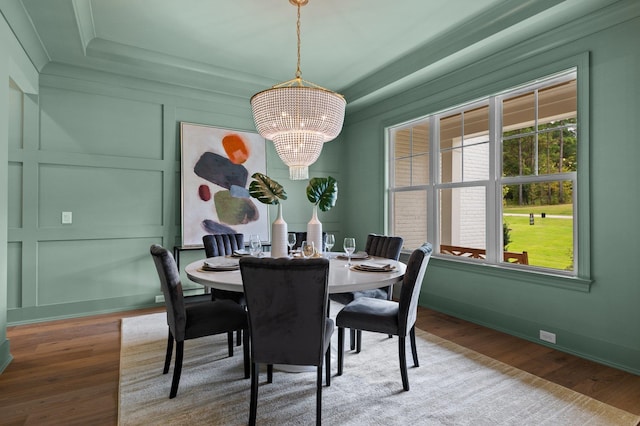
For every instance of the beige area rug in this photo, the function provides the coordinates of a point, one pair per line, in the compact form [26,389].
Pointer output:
[452,386]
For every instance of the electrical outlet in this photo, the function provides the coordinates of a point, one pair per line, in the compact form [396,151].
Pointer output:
[67,218]
[547,336]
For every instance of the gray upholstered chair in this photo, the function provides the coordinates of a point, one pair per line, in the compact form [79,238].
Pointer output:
[377,245]
[223,245]
[287,303]
[193,320]
[302,236]
[388,316]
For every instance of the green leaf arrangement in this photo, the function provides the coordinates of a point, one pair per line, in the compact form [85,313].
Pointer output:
[323,192]
[266,190]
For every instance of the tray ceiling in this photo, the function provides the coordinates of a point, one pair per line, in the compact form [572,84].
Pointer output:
[357,47]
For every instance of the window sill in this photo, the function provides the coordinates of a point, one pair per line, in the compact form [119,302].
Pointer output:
[516,274]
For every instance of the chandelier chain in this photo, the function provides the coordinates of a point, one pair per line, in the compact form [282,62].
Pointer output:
[298,72]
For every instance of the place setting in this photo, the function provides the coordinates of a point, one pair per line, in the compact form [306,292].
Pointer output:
[361,255]
[220,265]
[240,253]
[349,246]
[373,266]
[367,264]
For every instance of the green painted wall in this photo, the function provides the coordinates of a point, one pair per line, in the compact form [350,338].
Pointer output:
[109,152]
[18,84]
[604,323]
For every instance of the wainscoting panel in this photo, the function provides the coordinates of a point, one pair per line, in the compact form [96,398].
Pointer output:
[99,197]
[14,275]
[95,124]
[108,269]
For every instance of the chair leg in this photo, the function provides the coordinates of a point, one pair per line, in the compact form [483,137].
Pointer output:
[238,337]
[403,363]
[247,356]
[414,351]
[353,338]
[167,358]
[319,397]
[270,373]
[390,297]
[327,362]
[253,404]
[358,341]
[177,369]
[230,343]
[340,350]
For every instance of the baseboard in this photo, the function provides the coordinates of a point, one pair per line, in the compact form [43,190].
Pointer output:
[5,355]
[602,352]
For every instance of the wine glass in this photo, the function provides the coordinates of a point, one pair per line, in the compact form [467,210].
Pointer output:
[255,245]
[308,249]
[291,241]
[329,241]
[349,246]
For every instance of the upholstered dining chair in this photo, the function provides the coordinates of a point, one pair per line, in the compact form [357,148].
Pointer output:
[194,320]
[302,236]
[388,316]
[224,245]
[287,304]
[385,246]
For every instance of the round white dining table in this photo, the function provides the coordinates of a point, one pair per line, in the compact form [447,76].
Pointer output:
[342,279]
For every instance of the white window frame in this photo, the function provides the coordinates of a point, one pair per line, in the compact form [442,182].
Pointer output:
[493,186]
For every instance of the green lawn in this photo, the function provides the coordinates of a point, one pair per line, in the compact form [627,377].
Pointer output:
[548,242]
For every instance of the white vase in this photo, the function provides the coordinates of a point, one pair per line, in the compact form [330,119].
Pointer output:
[279,236]
[314,230]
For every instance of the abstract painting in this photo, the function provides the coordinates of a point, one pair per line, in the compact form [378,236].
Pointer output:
[217,165]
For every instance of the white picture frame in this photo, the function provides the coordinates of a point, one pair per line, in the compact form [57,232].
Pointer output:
[216,168]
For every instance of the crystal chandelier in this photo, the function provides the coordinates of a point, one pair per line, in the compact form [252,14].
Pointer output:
[298,116]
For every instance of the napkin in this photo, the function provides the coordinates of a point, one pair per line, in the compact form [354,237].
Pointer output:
[355,256]
[375,267]
[220,266]
[240,253]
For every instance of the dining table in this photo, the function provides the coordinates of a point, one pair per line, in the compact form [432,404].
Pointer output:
[365,272]
[223,273]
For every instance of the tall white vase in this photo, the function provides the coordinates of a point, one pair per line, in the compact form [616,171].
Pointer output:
[314,230]
[279,235]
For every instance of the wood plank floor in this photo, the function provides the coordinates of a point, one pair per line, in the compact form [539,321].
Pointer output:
[66,372]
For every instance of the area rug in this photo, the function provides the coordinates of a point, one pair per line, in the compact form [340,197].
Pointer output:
[452,386]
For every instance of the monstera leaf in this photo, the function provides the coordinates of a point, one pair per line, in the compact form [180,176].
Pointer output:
[266,190]
[323,192]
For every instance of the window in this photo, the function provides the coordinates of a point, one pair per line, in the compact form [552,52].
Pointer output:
[493,181]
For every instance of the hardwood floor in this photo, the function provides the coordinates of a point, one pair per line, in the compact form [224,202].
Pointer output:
[66,372]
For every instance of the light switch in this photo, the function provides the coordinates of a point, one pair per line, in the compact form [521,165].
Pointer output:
[67,217]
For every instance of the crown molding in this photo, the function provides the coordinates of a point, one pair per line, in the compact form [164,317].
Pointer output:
[20,23]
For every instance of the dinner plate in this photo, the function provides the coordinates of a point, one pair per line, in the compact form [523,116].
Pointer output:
[220,266]
[361,255]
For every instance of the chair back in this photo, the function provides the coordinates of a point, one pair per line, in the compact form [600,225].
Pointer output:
[302,236]
[222,244]
[411,285]
[287,305]
[171,289]
[384,246]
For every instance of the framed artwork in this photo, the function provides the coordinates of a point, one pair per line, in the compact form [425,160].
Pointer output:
[216,166]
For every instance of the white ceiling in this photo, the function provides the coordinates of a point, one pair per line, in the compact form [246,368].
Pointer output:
[356,47]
